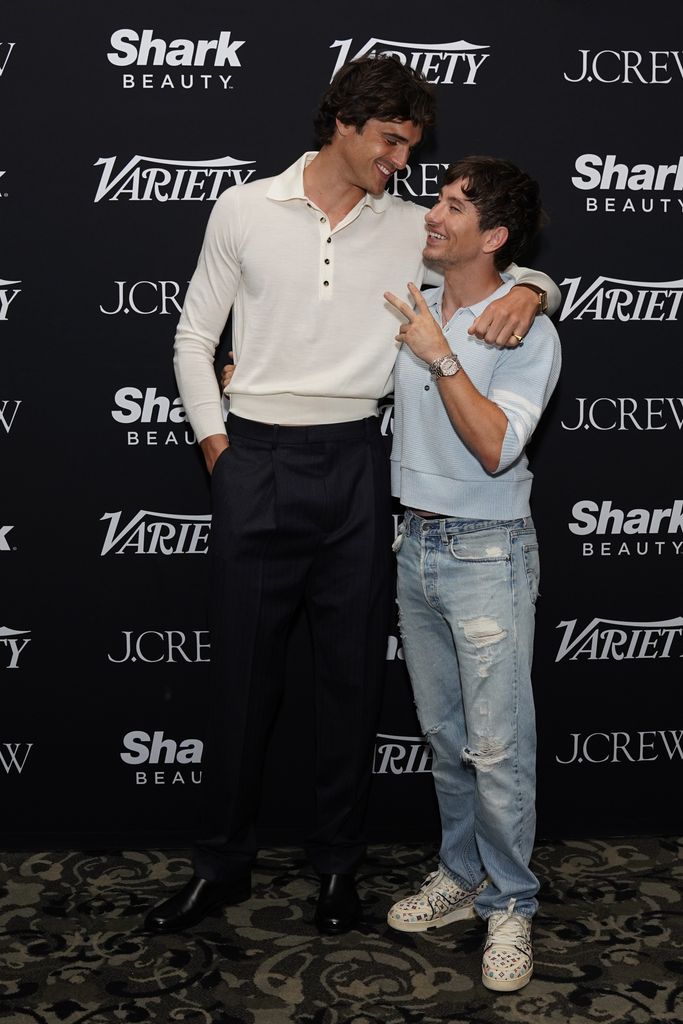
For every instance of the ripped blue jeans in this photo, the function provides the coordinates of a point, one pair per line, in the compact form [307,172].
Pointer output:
[466,594]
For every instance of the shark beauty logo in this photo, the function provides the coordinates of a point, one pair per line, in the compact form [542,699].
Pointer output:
[455,63]
[178,59]
[148,179]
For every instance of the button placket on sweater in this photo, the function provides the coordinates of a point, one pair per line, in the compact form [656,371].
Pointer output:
[326,264]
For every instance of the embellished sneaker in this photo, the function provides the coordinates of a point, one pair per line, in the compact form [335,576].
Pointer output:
[508,960]
[439,901]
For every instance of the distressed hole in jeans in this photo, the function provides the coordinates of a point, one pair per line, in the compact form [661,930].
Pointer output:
[490,753]
[483,631]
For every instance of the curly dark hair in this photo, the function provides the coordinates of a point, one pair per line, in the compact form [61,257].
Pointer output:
[503,195]
[380,87]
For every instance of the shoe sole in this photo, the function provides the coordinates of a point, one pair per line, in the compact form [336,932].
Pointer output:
[507,986]
[336,929]
[231,900]
[461,914]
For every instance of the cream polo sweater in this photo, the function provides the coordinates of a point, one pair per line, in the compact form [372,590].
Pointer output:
[312,334]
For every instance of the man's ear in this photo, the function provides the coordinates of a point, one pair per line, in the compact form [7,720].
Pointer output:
[495,238]
[344,129]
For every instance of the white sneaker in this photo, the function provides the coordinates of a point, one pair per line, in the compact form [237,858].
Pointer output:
[508,960]
[439,902]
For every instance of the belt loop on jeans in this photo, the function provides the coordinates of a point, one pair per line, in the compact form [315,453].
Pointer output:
[443,533]
[276,432]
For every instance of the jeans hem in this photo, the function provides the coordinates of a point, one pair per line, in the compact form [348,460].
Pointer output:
[464,885]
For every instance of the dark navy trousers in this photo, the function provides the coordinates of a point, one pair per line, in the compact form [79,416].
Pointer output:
[301,517]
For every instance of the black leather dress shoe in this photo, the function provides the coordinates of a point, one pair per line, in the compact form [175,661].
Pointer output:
[194,901]
[338,908]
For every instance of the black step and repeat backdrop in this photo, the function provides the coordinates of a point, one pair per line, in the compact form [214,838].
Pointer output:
[121,125]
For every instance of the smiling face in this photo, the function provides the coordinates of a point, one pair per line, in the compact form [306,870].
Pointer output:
[454,237]
[372,154]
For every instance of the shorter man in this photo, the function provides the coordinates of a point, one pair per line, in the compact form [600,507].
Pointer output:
[468,566]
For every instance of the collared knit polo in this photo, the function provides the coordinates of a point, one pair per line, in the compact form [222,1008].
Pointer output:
[312,334]
[431,468]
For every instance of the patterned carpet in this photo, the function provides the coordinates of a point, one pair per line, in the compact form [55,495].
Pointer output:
[608,940]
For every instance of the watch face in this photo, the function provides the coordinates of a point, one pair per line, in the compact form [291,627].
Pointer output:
[449,367]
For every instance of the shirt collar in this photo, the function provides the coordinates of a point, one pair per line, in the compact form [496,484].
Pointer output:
[290,185]
[434,299]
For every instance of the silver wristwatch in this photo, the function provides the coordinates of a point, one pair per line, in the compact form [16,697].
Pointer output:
[445,366]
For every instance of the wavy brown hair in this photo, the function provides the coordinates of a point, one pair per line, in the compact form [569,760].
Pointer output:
[503,195]
[379,87]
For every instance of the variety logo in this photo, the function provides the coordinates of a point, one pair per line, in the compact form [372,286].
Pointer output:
[12,644]
[613,640]
[623,747]
[386,418]
[14,755]
[4,542]
[169,646]
[145,298]
[148,179]
[591,518]
[440,63]
[609,298]
[394,649]
[628,67]
[141,748]
[5,51]
[7,295]
[627,414]
[145,49]
[643,182]
[8,411]
[401,755]
[157,533]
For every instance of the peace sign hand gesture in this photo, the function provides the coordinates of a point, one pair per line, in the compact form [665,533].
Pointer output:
[421,333]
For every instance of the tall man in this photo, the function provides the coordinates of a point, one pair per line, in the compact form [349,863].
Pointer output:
[300,493]
[468,566]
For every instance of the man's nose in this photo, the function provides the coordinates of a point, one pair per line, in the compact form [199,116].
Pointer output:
[400,157]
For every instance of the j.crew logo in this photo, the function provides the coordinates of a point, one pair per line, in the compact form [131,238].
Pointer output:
[13,757]
[629,67]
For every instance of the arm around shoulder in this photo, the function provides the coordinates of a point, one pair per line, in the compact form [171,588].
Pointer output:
[527,275]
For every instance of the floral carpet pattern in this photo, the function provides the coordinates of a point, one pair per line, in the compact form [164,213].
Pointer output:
[608,942]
